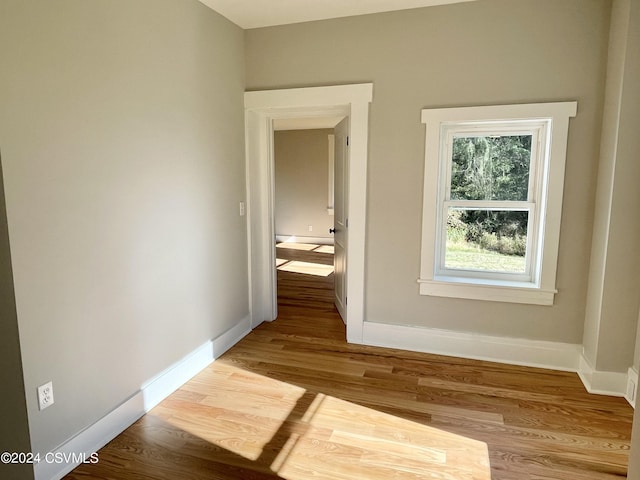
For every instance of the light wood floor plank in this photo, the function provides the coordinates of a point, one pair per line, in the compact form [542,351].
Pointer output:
[293,400]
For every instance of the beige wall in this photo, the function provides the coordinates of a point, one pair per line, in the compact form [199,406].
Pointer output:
[302,183]
[121,128]
[622,293]
[14,429]
[614,286]
[486,52]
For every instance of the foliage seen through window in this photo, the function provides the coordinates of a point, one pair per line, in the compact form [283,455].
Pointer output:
[489,168]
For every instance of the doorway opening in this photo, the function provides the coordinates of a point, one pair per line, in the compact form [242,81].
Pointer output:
[311,189]
[262,109]
[306,190]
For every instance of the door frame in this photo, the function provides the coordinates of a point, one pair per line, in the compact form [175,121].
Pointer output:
[261,109]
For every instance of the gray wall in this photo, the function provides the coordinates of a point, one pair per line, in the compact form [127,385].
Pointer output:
[613,296]
[485,52]
[121,128]
[302,179]
[14,428]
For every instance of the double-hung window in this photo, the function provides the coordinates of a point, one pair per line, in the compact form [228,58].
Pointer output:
[492,201]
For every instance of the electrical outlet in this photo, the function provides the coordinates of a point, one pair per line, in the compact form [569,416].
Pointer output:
[45,395]
[311,228]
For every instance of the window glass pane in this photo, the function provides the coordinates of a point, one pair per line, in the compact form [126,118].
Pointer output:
[490,167]
[486,240]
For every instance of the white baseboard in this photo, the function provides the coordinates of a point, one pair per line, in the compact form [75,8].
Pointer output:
[515,351]
[600,382]
[95,436]
[228,339]
[301,239]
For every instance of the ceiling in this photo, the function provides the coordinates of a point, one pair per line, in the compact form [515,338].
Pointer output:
[263,13]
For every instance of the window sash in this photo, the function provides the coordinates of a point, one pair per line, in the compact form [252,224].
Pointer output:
[537,130]
[531,254]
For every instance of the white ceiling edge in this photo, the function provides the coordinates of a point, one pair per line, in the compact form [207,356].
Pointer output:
[305,123]
[265,13]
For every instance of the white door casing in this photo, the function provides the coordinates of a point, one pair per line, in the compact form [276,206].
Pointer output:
[341,214]
[261,108]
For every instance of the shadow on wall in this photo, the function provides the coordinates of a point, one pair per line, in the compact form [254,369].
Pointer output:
[14,427]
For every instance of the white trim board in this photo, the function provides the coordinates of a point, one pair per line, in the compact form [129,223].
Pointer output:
[97,435]
[515,351]
[600,382]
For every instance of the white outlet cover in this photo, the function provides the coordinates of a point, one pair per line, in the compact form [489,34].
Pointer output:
[45,395]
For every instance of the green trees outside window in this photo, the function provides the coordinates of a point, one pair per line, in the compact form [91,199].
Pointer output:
[489,168]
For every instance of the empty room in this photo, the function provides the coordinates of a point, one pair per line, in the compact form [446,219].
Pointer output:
[462,303]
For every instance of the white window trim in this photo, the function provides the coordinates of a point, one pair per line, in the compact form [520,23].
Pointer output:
[540,289]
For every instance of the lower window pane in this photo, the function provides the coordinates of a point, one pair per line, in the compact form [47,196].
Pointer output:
[486,240]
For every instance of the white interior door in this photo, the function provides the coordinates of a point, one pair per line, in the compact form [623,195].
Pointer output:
[341,214]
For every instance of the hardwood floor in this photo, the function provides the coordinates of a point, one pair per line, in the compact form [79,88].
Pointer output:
[292,400]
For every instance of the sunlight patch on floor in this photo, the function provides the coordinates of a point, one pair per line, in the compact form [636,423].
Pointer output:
[297,246]
[300,434]
[325,249]
[307,268]
[242,411]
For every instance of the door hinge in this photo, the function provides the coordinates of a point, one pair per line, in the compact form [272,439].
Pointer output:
[347,141]
[346,300]
[346,223]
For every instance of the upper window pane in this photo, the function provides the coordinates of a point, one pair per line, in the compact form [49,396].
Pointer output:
[490,167]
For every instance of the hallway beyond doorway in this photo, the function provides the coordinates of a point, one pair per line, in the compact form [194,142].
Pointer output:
[305,275]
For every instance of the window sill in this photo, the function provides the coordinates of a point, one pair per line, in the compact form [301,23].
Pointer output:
[504,292]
